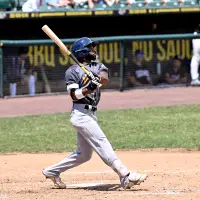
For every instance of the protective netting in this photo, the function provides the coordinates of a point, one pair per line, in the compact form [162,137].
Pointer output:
[45,65]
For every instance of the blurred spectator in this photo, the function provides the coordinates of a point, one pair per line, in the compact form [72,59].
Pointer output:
[180,2]
[20,72]
[60,3]
[82,3]
[111,2]
[146,2]
[139,74]
[32,5]
[130,2]
[174,72]
[164,2]
[92,3]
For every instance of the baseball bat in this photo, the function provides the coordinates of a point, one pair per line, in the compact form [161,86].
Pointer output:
[61,45]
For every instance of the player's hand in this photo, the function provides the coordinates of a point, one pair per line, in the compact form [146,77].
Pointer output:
[92,85]
[94,76]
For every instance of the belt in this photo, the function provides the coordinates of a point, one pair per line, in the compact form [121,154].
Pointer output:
[82,107]
[90,107]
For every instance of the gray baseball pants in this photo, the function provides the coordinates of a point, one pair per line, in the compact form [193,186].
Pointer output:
[89,137]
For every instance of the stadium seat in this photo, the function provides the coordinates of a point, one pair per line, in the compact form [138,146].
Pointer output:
[140,3]
[123,5]
[106,7]
[82,8]
[116,6]
[46,8]
[43,8]
[190,3]
[155,4]
[172,3]
[6,4]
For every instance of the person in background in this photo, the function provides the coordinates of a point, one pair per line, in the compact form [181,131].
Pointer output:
[32,5]
[92,3]
[111,2]
[20,72]
[15,70]
[139,75]
[31,79]
[82,3]
[132,2]
[195,62]
[60,3]
[175,72]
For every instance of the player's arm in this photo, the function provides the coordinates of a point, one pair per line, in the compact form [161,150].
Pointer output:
[72,81]
[103,74]
[80,93]
[104,79]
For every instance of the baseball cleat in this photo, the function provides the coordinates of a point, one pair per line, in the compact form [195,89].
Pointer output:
[195,82]
[58,183]
[132,179]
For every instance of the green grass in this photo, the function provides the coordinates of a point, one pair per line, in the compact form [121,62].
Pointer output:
[158,127]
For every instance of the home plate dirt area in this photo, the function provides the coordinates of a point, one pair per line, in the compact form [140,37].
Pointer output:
[172,173]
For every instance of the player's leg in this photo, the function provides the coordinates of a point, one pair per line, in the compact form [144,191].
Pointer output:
[81,155]
[31,85]
[194,66]
[91,131]
[13,89]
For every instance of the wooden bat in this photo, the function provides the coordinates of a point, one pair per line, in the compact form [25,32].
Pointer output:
[61,45]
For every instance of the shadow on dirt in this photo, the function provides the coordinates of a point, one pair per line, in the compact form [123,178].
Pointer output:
[107,187]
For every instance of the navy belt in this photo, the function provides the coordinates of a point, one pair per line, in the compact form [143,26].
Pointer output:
[84,107]
[90,107]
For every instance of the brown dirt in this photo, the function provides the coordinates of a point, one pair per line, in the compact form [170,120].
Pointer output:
[109,101]
[173,174]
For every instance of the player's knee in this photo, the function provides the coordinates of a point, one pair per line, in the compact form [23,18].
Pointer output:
[86,157]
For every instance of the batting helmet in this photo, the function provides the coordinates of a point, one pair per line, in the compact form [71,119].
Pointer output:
[81,49]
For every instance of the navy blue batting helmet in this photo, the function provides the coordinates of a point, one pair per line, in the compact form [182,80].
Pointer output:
[81,49]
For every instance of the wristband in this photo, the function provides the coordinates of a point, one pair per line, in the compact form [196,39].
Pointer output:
[78,93]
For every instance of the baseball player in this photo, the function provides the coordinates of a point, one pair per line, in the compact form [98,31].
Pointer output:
[85,96]
[194,66]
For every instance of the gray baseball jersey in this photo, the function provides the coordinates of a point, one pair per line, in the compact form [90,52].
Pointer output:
[76,78]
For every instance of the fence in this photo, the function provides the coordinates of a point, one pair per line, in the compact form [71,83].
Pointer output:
[45,65]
